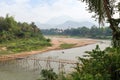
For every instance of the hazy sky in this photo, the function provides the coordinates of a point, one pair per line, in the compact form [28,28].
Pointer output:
[43,10]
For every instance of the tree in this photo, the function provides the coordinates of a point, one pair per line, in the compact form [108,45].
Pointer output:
[10,29]
[105,9]
[84,31]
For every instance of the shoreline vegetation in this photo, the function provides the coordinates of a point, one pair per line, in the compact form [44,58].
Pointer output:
[21,39]
[93,32]
[17,37]
[56,45]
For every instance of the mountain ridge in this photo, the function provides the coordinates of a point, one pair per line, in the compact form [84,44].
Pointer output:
[67,24]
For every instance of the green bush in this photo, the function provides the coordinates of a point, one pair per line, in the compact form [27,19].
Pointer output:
[48,75]
[101,65]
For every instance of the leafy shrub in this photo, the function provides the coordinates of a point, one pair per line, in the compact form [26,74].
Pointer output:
[101,65]
[48,75]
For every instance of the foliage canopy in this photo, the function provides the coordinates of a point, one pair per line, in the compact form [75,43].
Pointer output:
[11,29]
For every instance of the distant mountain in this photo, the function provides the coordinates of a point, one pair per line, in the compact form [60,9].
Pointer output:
[74,24]
[65,25]
[59,20]
[44,26]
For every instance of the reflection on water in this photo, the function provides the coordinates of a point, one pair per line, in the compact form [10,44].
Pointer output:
[30,69]
[15,69]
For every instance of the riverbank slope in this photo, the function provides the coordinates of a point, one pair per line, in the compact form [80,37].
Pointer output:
[56,42]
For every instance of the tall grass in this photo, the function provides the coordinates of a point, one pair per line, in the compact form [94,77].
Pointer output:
[21,45]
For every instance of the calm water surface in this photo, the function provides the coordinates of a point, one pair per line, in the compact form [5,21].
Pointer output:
[10,71]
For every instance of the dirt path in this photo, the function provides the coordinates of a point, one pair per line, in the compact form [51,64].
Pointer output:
[55,45]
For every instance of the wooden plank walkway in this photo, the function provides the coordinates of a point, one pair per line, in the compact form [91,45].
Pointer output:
[4,58]
[55,60]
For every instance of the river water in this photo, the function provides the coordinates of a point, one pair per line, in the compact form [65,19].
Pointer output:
[10,71]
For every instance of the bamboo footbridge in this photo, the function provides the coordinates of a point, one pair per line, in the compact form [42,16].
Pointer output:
[5,58]
[36,63]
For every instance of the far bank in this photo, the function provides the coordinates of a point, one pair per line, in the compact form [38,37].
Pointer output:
[56,44]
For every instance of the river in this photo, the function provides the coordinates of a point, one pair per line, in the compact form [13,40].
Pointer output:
[10,71]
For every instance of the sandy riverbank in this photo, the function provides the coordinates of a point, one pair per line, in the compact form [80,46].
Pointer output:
[56,42]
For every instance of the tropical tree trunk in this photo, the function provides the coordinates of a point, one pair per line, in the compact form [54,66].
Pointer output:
[116,32]
[116,38]
[114,26]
